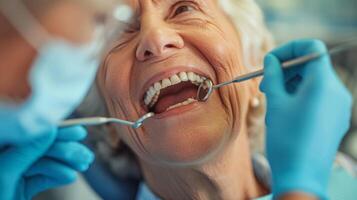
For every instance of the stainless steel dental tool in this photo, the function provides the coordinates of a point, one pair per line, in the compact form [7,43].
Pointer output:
[206,88]
[94,121]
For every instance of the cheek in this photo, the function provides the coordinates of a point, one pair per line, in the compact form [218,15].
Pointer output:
[116,76]
[224,53]
[116,80]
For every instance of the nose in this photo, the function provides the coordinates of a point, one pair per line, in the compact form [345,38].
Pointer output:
[158,42]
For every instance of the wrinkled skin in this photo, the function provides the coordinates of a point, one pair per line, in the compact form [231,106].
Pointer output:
[168,35]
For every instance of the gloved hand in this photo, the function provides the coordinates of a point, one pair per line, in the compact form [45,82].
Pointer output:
[308,113]
[43,163]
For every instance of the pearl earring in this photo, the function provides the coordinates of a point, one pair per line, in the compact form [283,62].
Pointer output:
[255,102]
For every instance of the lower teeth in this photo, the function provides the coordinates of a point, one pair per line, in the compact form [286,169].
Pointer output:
[188,101]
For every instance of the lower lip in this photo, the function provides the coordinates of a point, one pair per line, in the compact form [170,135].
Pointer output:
[178,111]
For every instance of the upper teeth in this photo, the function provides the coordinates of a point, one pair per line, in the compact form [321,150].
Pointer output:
[153,92]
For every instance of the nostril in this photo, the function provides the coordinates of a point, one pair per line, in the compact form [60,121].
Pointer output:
[170,46]
[147,54]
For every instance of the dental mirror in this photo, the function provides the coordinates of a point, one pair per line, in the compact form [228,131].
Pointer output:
[206,88]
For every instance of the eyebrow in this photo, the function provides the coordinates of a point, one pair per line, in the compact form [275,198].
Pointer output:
[160,1]
[139,3]
[156,1]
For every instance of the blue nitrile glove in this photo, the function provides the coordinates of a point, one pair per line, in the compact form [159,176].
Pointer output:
[308,113]
[46,162]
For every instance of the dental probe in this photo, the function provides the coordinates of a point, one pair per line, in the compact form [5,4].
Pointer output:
[94,121]
[206,87]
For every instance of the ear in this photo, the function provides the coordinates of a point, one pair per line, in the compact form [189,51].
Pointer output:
[254,88]
[256,117]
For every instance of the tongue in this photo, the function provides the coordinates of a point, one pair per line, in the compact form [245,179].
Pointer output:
[168,100]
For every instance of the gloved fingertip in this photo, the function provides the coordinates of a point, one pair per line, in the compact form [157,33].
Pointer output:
[69,177]
[91,157]
[85,158]
[81,131]
[315,45]
[84,168]
[262,86]
[76,133]
[271,64]
[273,80]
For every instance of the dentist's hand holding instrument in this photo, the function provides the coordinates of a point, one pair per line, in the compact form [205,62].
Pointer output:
[308,113]
[48,71]
[46,162]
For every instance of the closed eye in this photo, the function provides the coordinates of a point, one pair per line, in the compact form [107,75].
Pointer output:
[131,28]
[183,7]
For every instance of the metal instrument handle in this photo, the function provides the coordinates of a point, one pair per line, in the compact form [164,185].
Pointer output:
[291,63]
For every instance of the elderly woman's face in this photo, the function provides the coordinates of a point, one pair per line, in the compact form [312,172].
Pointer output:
[156,66]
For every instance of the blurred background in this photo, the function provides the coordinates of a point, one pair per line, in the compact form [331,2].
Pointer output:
[332,21]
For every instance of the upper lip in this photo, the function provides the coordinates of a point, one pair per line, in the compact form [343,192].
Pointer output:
[167,74]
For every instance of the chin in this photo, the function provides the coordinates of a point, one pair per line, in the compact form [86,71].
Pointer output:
[188,134]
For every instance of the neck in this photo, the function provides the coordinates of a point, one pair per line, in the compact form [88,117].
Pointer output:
[229,176]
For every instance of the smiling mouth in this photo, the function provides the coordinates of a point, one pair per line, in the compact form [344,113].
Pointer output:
[173,92]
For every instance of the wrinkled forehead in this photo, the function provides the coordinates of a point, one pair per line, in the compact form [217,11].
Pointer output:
[140,6]
[98,5]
